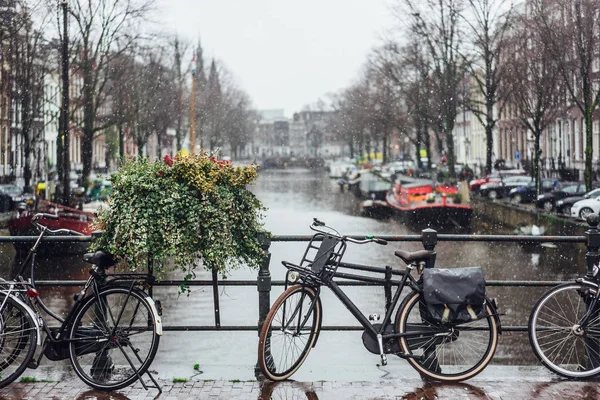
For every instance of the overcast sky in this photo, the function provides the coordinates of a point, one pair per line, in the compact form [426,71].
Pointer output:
[284,53]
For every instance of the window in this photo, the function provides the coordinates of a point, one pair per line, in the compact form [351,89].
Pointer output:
[570,189]
[596,66]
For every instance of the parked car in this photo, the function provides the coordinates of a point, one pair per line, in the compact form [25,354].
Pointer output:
[585,207]
[564,206]
[527,193]
[16,195]
[497,190]
[546,201]
[400,167]
[475,184]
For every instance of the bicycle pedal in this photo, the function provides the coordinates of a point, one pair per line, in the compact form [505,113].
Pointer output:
[33,364]
[374,317]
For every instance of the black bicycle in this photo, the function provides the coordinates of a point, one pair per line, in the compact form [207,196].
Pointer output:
[111,334]
[564,325]
[440,342]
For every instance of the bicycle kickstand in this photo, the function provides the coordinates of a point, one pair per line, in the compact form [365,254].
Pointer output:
[156,385]
[381,352]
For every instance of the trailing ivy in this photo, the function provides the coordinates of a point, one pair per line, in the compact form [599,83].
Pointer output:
[192,209]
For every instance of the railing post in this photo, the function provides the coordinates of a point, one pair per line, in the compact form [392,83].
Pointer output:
[592,257]
[263,285]
[592,236]
[429,239]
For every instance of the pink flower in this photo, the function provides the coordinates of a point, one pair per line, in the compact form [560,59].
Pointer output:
[168,160]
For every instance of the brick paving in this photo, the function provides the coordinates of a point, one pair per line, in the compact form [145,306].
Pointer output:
[410,389]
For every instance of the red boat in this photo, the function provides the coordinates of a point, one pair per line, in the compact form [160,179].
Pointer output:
[422,205]
[70,218]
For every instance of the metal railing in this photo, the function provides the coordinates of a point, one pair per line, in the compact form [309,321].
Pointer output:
[429,238]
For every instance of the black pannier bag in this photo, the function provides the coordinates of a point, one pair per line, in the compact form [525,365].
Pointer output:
[453,296]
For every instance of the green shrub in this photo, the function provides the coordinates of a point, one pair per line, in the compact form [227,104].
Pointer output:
[187,209]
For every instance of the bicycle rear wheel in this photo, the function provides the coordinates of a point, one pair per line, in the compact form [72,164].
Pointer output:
[555,333]
[116,338]
[289,332]
[18,340]
[449,353]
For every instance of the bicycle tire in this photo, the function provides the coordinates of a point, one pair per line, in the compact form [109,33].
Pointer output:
[105,364]
[17,342]
[270,367]
[546,321]
[438,363]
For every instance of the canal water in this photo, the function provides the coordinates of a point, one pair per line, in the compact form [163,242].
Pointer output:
[293,199]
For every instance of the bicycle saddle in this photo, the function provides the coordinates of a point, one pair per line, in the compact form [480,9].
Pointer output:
[99,258]
[415,256]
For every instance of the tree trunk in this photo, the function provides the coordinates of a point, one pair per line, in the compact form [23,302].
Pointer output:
[450,157]
[489,139]
[537,134]
[384,153]
[88,127]
[121,142]
[588,150]
[427,142]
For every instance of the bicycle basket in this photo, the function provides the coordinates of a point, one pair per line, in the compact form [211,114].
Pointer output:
[323,255]
[453,296]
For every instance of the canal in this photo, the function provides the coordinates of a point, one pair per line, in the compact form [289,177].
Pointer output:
[293,198]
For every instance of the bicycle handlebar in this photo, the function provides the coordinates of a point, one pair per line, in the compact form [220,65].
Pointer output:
[55,217]
[316,224]
[44,215]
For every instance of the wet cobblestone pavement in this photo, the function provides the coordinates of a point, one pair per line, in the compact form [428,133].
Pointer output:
[400,389]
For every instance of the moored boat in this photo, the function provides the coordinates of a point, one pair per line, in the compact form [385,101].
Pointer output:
[379,209]
[374,184]
[70,218]
[423,205]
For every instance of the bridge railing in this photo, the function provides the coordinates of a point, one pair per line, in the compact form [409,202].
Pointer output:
[429,239]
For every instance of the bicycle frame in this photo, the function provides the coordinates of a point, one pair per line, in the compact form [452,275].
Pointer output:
[591,308]
[36,320]
[407,280]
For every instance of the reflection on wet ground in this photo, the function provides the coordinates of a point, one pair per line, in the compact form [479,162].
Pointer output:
[409,389]
[293,198]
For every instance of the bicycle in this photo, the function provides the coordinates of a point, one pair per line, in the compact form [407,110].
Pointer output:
[443,351]
[564,325]
[110,335]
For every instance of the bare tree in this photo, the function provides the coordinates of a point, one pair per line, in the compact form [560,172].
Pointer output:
[29,67]
[488,22]
[409,68]
[104,30]
[534,83]
[437,23]
[570,30]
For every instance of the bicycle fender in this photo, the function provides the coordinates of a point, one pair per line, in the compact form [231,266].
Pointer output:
[33,316]
[157,318]
[320,322]
[494,306]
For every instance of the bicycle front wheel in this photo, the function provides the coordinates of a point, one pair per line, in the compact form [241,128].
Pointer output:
[114,338]
[558,337]
[289,332]
[449,353]
[18,339]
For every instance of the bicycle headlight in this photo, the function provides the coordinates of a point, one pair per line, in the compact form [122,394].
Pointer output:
[293,277]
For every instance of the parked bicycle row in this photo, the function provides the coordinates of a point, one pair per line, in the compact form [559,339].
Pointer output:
[446,327]
[571,199]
